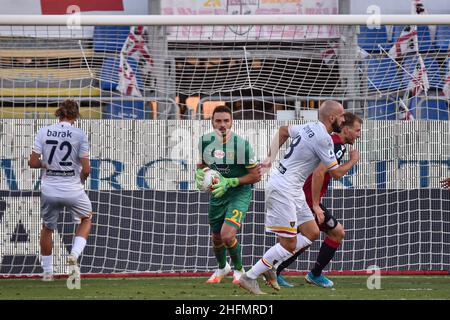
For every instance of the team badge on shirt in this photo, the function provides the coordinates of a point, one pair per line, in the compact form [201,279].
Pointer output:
[219,154]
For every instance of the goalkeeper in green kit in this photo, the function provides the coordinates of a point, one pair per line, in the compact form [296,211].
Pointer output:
[229,154]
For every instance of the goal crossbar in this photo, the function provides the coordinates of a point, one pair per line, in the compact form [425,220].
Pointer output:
[185,20]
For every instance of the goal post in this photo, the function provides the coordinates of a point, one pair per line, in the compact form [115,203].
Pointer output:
[147,86]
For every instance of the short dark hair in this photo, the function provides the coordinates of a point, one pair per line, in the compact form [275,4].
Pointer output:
[221,108]
[68,109]
[350,119]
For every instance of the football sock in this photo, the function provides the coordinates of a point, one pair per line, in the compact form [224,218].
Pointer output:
[271,257]
[326,253]
[289,261]
[78,246]
[47,263]
[235,254]
[303,243]
[221,255]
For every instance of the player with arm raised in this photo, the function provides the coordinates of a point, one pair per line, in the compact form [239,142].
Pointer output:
[232,156]
[62,152]
[288,214]
[315,187]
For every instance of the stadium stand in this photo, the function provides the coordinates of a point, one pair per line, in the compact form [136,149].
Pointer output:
[382,74]
[431,66]
[442,37]
[369,39]
[381,109]
[423,36]
[40,68]
[110,38]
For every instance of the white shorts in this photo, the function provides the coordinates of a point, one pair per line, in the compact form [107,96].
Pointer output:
[78,205]
[286,212]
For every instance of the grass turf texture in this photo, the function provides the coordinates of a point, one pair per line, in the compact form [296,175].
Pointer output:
[195,288]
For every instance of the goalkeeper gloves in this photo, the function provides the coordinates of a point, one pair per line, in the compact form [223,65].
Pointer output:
[223,185]
[199,174]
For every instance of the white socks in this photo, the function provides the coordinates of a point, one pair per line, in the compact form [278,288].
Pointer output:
[78,246]
[47,263]
[274,255]
[302,242]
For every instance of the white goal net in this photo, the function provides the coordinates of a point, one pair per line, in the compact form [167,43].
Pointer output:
[146,94]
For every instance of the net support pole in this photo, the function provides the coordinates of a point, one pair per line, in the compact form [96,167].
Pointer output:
[348,48]
[164,87]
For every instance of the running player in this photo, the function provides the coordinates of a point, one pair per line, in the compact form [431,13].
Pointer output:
[288,214]
[315,187]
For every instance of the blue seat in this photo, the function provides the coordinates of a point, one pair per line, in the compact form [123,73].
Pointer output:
[433,109]
[442,39]
[423,37]
[369,39]
[110,38]
[127,109]
[432,67]
[382,74]
[109,75]
[382,109]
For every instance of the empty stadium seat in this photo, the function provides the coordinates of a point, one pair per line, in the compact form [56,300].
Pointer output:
[433,109]
[369,39]
[110,38]
[127,109]
[382,74]
[109,75]
[442,39]
[432,67]
[382,109]
[423,37]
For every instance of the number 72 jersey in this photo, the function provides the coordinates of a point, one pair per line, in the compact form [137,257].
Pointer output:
[311,144]
[61,146]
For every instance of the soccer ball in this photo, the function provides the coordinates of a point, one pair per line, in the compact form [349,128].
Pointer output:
[211,178]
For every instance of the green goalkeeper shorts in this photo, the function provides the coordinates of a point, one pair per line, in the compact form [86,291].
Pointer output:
[230,210]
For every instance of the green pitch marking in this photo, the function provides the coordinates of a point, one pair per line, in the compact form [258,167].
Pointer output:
[195,288]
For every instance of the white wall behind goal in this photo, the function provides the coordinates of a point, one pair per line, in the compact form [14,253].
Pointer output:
[162,155]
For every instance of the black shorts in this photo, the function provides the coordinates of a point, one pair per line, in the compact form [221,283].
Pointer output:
[330,221]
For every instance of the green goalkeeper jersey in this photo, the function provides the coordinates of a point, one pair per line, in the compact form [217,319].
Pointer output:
[231,159]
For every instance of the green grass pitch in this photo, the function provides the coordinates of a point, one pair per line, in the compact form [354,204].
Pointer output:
[195,288]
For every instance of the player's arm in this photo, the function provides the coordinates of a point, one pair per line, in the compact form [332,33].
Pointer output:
[35,162]
[85,169]
[201,165]
[253,175]
[83,155]
[340,171]
[277,141]
[318,178]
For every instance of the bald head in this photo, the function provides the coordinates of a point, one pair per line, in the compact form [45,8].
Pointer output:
[329,107]
[331,114]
